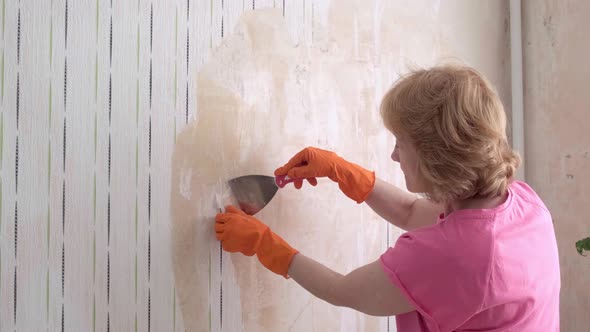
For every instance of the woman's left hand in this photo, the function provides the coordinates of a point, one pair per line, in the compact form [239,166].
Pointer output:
[239,232]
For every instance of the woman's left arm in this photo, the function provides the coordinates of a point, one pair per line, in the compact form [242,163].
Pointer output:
[366,289]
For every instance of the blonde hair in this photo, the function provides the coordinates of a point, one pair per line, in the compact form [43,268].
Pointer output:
[454,118]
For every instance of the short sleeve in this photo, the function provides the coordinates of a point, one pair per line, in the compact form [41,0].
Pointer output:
[444,285]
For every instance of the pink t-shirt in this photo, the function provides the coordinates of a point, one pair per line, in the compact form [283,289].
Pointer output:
[481,269]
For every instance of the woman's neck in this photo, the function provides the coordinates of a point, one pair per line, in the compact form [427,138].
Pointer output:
[476,203]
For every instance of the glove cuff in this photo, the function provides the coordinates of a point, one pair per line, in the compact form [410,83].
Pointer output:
[355,181]
[275,253]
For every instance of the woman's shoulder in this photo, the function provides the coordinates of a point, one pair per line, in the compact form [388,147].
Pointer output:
[525,191]
[525,195]
[449,239]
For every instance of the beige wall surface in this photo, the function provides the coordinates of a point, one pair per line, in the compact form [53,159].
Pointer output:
[264,98]
[556,51]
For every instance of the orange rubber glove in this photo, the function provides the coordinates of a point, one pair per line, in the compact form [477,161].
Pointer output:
[353,180]
[239,232]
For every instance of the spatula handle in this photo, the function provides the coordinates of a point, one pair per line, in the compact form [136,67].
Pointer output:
[283,180]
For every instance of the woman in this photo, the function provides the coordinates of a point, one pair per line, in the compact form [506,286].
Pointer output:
[479,253]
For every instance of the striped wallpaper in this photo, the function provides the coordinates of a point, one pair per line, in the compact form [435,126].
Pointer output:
[92,95]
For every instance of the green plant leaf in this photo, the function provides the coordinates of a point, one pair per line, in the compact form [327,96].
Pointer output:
[582,245]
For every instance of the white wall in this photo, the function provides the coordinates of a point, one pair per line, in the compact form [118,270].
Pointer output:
[556,51]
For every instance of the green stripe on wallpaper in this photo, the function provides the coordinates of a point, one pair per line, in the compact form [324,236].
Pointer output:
[49,113]
[48,232]
[96,79]
[136,163]
[49,183]
[97,21]
[94,313]
[136,277]
[94,201]
[95,136]
[94,261]
[47,295]
[1,139]
[50,110]
[175,57]
[136,222]
[2,78]
[49,166]
[51,43]
[137,46]
[137,102]
[3,18]
[94,258]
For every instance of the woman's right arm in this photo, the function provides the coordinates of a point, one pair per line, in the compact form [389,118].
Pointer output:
[398,207]
[401,208]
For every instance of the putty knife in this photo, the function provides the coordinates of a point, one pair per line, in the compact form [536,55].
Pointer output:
[253,192]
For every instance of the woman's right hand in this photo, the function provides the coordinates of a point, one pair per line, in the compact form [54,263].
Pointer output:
[310,163]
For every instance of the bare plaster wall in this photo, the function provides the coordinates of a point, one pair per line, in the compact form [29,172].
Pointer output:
[261,98]
[556,50]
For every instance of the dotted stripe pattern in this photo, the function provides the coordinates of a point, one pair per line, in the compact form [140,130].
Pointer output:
[188,3]
[150,172]
[63,206]
[137,106]
[18,92]
[110,103]
[94,173]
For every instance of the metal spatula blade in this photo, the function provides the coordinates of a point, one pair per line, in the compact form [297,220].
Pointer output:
[253,192]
